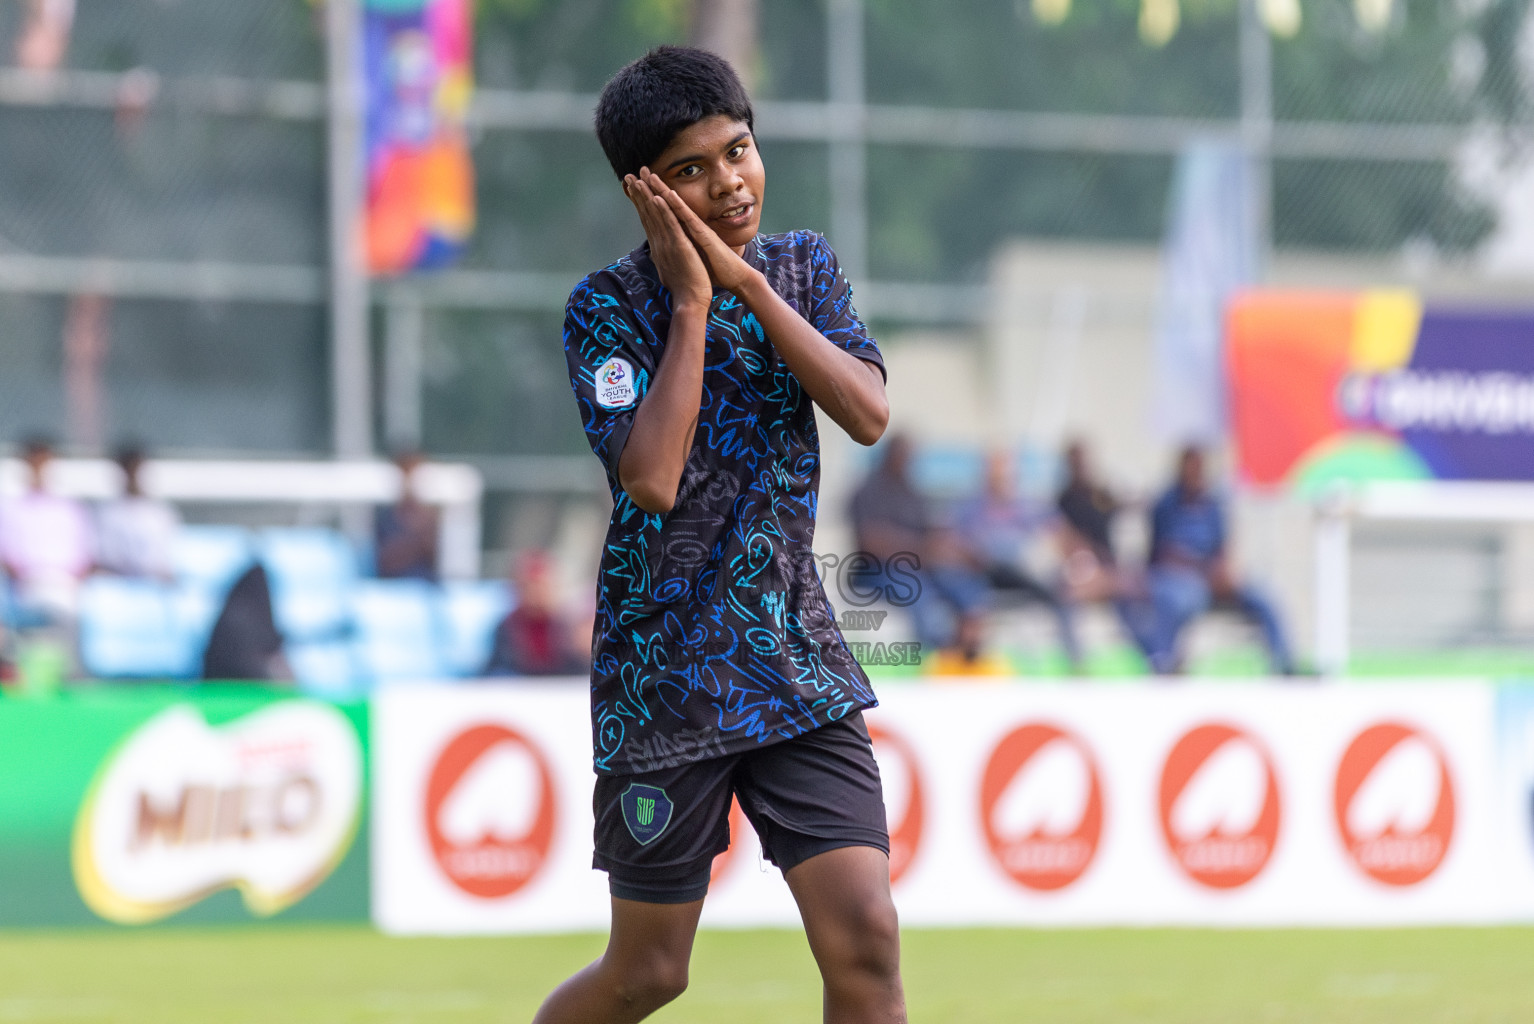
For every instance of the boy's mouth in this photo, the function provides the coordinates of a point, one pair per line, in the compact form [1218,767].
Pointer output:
[736,215]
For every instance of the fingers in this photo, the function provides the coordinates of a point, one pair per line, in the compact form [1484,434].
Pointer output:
[647,191]
[699,233]
[640,195]
[655,216]
[688,219]
[676,257]
[667,195]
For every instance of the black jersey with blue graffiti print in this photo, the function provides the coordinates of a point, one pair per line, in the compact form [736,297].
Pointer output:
[713,632]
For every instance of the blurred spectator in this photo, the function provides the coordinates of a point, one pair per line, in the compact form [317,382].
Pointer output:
[895,525]
[45,545]
[245,644]
[1087,508]
[537,638]
[136,534]
[405,533]
[1190,572]
[44,37]
[968,656]
[7,638]
[995,528]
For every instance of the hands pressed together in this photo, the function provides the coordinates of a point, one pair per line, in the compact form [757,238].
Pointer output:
[691,258]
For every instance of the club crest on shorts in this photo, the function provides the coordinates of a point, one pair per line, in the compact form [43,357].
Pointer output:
[646,811]
[614,382]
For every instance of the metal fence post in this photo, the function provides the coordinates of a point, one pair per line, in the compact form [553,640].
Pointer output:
[351,415]
[1333,542]
[848,153]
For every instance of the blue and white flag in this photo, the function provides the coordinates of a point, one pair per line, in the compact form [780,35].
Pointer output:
[1209,252]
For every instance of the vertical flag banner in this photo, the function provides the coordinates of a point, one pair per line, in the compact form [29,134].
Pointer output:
[1210,251]
[420,179]
[1374,386]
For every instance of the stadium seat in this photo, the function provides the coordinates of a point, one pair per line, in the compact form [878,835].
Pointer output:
[471,610]
[211,557]
[398,630]
[948,471]
[312,570]
[135,629]
[196,608]
[325,668]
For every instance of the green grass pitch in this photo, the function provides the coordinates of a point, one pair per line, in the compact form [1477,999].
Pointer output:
[342,975]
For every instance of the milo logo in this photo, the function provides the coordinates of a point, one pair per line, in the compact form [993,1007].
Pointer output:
[266,804]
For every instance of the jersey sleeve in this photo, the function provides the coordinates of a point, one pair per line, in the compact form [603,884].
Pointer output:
[607,359]
[831,311]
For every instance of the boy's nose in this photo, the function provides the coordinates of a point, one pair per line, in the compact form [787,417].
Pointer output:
[727,182]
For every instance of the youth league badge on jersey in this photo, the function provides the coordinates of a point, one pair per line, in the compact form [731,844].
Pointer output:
[646,811]
[614,380]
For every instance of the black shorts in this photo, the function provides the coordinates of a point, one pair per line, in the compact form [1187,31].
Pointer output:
[657,833]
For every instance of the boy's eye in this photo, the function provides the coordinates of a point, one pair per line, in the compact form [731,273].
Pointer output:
[690,171]
[737,151]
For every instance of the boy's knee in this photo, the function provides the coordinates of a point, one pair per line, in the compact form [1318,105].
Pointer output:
[653,982]
[869,941]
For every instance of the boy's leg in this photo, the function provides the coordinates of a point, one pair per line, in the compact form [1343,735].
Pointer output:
[1179,595]
[849,918]
[1255,606]
[818,805]
[656,836]
[643,968]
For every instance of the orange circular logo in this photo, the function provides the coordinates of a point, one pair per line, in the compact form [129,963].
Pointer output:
[900,776]
[1041,806]
[1395,803]
[1220,806]
[490,810]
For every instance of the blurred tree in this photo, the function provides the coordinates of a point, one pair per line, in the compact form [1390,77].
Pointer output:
[728,28]
[940,214]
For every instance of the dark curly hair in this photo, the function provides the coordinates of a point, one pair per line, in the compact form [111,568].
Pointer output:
[645,105]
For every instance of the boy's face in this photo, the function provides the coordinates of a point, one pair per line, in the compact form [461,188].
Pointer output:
[714,166]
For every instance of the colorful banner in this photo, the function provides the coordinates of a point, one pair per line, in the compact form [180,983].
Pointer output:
[1206,804]
[1372,386]
[139,806]
[417,58]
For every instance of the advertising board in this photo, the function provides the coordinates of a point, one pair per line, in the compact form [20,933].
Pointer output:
[1515,789]
[482,819]
[1373,386]
[1072,804]
[139,806]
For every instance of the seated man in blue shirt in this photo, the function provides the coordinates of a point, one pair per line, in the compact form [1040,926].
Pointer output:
[996,526]
[1189,572]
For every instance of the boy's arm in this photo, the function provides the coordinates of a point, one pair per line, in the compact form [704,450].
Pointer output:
[650,467]
[849,389]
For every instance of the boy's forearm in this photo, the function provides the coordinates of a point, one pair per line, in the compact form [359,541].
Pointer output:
[849,389]
[650,468]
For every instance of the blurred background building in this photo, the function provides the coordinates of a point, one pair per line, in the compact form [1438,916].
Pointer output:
[1042,206]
